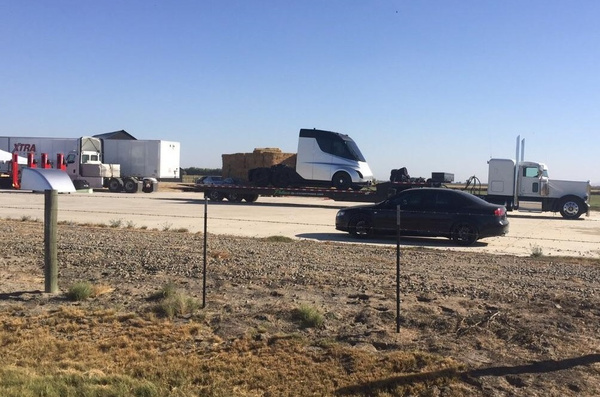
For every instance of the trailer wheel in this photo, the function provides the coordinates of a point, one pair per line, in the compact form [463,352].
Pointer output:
[130,185]
[213,195]
[115,185]
[148,185]
[464,233]
[234,197]
[250,198]
[341,180]
[361,227]
[571,207]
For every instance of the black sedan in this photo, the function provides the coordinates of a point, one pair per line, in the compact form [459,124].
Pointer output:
[433,212]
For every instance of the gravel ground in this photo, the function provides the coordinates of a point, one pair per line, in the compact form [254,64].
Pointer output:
[522,326]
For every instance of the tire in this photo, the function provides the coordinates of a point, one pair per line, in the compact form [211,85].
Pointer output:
[213,195]
[250,198]
[130,185]
[234,197]
[464,233]
[341,180]
[115,185]
[149,184]
[571,207]
[361,227]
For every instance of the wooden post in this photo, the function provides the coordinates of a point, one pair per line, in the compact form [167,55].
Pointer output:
[50,250]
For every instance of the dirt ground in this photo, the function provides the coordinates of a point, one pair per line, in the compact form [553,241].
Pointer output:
[514,326]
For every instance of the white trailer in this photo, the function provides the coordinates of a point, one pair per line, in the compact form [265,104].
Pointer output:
[119,164]
[148,158]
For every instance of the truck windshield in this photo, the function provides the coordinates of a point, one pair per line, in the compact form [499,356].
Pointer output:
[354,150]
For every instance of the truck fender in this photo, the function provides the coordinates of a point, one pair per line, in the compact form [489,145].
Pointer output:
[350,171]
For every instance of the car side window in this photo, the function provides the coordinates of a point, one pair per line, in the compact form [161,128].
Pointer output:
[447,201]
[409,201]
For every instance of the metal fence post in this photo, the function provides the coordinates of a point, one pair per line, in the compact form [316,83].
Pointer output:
[398,268]
[204,263]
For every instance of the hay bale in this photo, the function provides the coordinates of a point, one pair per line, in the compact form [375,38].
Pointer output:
[237,165]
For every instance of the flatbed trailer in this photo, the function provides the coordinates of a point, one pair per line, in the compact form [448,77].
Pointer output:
[373,194]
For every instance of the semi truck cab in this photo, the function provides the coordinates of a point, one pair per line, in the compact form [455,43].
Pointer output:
[509,183]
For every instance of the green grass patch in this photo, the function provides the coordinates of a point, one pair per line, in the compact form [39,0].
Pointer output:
[173,303]
[308,316]
[80,291]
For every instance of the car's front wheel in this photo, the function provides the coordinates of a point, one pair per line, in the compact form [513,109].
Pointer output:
[361,227]
[464,233]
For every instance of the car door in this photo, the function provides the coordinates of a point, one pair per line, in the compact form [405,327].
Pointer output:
[446,212]
[411,204]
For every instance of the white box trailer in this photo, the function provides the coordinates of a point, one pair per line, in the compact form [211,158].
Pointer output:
[39,145]
[148,158]
[141,158]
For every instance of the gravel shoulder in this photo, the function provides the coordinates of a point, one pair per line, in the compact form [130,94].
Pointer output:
[518,325]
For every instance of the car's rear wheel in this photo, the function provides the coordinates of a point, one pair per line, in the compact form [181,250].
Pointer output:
[361,227]
[464,233]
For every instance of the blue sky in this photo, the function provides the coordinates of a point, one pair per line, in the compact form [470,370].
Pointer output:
[428,85]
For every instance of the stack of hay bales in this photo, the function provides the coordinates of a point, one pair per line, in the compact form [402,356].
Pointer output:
[237,165]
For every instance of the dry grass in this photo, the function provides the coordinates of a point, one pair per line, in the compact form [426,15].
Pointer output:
[73,352]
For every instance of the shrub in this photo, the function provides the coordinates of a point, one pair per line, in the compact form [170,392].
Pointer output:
[80,291]
[173,303]
[537,251]
[308,316]
[115,223]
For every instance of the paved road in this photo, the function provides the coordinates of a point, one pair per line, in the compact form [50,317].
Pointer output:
[308,218]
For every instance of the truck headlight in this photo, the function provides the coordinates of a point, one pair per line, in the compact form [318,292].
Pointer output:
[340,214]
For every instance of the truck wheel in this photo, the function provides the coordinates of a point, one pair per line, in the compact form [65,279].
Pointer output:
[250,198]
[130,185]
[115,185]
[361,227]
[234,197]
[341,180]
[213,195]
[464,233]
[571,207]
